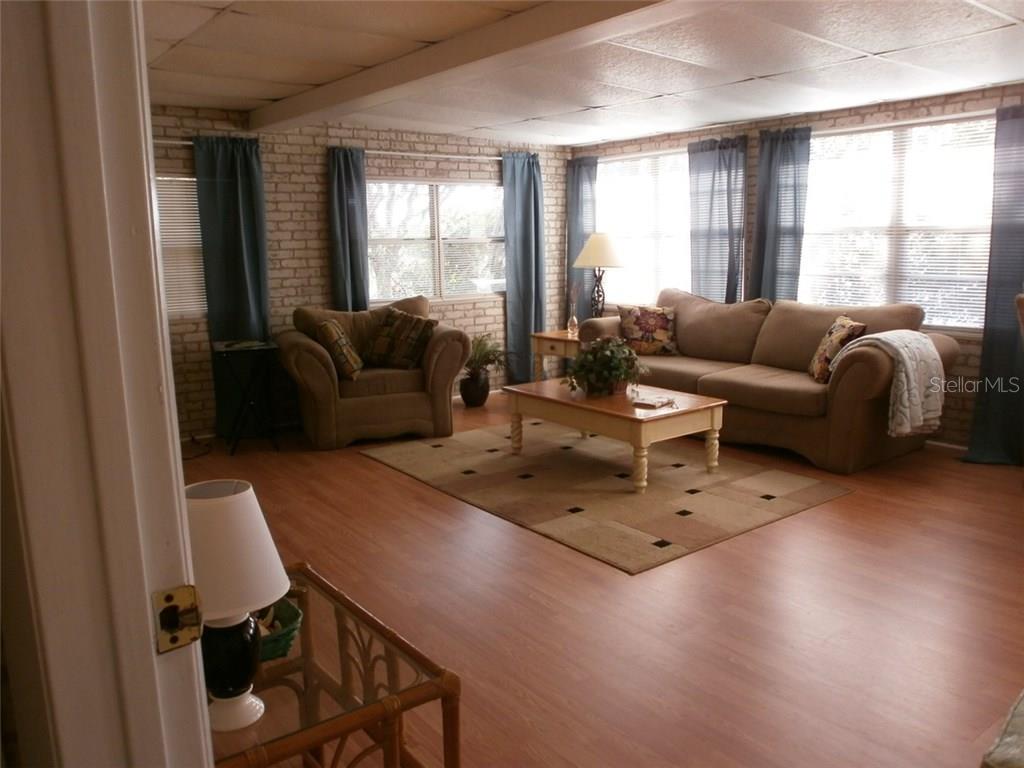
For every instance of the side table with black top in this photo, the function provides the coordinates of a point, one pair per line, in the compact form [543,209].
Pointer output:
[243,373]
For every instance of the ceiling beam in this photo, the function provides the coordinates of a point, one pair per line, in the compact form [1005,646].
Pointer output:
[547,29]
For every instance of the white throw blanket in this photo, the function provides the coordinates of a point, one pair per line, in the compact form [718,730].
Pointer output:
[915,400]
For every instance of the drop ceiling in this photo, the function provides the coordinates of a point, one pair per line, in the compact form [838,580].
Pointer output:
[584,73]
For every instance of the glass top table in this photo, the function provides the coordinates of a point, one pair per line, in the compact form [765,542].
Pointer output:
[345,673]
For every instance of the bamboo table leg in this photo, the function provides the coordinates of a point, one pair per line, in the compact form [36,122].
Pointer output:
[450,719]
[711,449]
[640,468]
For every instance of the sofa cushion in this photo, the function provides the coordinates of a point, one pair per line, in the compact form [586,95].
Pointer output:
[680,373]
[383,381]
[713,331]
[840,333]
[792,330]
[767,389]
[347,361]
[649,330]
[362,326]
[400,340]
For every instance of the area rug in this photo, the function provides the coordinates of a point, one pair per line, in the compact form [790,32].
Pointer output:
[578,490]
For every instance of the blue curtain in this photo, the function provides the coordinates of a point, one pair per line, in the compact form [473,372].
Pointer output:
[232,224]
[580,223]
[350,266]
[717,173]
[524,258]
[781,201]
[997,430]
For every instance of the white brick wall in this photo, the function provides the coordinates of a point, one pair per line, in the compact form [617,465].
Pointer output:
[295,185]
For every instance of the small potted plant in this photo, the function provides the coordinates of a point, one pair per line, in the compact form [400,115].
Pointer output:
[604,367]
[484,353]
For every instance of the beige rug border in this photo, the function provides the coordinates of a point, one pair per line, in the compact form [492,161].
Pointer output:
[366,452]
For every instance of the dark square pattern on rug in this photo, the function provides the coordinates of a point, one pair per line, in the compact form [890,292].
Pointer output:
[584,497]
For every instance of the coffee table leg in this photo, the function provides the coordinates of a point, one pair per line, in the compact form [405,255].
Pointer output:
[517,433]
[711,449]
[640,469]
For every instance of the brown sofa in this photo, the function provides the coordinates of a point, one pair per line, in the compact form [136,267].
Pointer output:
[755,355]
[381,402]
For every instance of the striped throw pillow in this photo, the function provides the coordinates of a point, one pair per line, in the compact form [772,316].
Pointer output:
[400,340]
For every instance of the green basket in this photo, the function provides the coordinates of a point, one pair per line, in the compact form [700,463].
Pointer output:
[277,644]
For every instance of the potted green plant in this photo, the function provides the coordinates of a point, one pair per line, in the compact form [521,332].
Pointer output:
[484,353]
[604,367]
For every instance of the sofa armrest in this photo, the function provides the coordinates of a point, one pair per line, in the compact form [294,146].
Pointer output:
[599,327]
[862,374]
[948,349]
[444,357]
[310,365]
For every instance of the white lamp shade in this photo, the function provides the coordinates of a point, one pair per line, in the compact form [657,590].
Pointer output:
[599,251]
[237,567]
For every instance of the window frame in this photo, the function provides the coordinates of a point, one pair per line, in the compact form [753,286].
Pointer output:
[896,230]
[435,235]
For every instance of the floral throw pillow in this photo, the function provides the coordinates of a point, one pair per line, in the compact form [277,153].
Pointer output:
[334,339]
[842,332]
[649,330]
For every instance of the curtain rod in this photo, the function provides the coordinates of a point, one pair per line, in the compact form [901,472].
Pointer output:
[431,155]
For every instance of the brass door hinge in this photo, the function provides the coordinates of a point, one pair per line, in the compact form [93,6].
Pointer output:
[179,621]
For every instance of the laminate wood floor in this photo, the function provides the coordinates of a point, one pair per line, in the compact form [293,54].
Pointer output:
[884,628]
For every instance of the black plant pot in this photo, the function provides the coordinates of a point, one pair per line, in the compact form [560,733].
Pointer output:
[475,388]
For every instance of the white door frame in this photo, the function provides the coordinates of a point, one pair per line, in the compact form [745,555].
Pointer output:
[95,499]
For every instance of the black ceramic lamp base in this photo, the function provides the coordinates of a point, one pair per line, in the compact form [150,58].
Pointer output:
[231,657]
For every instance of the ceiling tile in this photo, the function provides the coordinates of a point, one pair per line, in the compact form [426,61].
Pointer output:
[736,43]
[630,68]
[156,48]
[415,110]
[431,21]
[770,97]
[173,21]
[677,113]
[876,26]
[991,57]
[253,34]
[184,82]
[870,80]
[249,66]
[201,100]
[1013,8]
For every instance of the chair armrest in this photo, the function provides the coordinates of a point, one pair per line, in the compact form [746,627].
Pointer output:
[948,349]
[309,364]
[446,353]
[863,373]
[598,328]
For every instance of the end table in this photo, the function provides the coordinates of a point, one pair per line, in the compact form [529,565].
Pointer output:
[247,370]
[551,344]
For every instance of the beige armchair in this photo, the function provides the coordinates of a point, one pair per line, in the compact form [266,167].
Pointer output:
[381,402]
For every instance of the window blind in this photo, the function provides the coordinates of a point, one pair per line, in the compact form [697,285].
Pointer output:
[440,240]
[643,203]
[180,244]
[901,214]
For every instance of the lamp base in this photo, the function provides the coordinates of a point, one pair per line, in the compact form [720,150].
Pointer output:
[236,712]
[597,295]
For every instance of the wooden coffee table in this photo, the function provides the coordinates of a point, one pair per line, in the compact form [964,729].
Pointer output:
[616,417]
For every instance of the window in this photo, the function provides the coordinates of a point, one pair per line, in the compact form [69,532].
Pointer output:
[439,240]
[901,215]
[644,204]
[180,244]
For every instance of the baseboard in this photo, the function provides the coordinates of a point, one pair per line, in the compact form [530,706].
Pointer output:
[941,444]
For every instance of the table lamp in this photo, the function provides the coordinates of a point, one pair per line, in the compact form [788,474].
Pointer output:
[598,253]
[237,570]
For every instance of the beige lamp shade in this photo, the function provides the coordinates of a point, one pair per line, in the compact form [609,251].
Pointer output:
[599,251]
[237,567]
